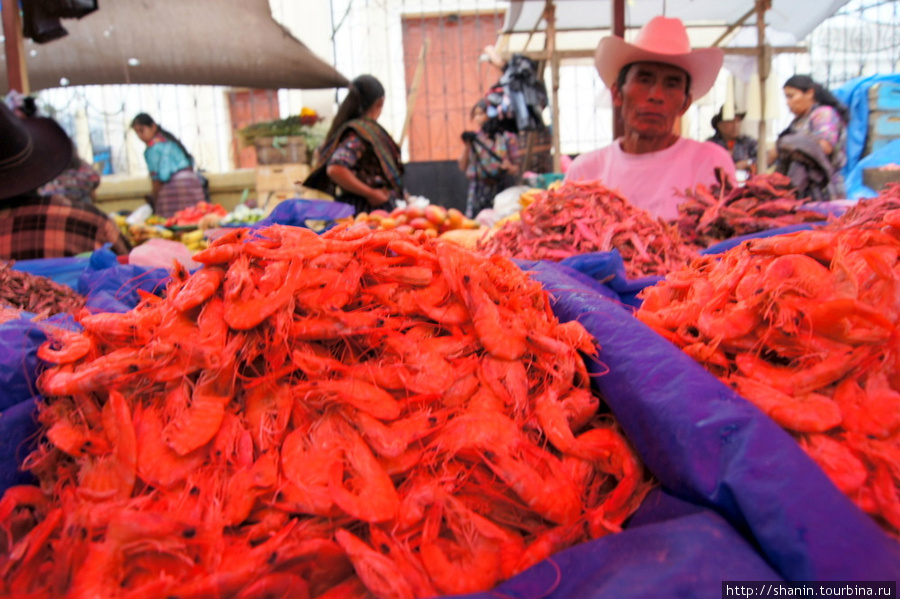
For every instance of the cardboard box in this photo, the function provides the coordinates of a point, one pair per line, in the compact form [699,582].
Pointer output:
[280,177]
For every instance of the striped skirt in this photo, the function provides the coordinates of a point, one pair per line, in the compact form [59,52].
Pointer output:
[181,191]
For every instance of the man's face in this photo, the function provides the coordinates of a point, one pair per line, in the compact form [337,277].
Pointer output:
[652,98]
[730,129]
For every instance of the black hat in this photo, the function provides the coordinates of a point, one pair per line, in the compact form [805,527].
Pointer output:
[718,118]
[33,150]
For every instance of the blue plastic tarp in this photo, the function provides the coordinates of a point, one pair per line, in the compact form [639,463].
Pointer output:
[889,154]
[855,95]
[113,287]
[65,271]
[297,212]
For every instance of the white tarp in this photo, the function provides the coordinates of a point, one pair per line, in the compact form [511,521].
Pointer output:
[233,43]
[787,21]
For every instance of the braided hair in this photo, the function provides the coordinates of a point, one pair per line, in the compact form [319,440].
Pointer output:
[363,92]
[146,120]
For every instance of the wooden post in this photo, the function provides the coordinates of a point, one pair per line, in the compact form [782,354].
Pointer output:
[764,64]
[550,17]
[414,89]
[618,30]
[16,73]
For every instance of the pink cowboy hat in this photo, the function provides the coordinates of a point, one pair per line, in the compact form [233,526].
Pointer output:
[665,41]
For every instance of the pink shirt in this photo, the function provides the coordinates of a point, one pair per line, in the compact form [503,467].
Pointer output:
[652,181]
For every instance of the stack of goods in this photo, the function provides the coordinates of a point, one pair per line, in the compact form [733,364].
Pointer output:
[805,326]
[153,227]
[431,218]
[362,411]
[578,218]
[36,294]
[764,202]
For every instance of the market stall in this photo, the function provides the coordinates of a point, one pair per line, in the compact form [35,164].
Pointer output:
[748,30]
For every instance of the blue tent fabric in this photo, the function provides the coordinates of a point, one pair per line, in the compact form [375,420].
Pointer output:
[65,271]
[297,212]
[113,287]
[18,432]
[889,154]
[855,95]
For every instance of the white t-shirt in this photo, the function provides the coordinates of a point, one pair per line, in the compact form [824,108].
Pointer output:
[653,181]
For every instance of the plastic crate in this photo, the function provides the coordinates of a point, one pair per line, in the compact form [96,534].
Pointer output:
[884,96]
[884,123]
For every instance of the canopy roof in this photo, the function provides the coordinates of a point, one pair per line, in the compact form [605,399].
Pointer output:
[787,21]
[233,43]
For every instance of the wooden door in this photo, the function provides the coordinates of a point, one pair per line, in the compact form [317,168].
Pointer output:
[248,106]
[453,78]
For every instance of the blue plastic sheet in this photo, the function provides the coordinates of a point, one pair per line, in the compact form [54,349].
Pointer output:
[889,154]
[19,340]
[608,268]
[855,95]
[297,212]
[65,271]
[113,287]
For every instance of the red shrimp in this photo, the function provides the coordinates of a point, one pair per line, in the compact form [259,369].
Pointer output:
[64,347]
[358,483]
[201,286]
[377,572]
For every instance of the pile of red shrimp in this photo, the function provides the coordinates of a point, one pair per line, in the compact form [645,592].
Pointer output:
[805,326]
[353,414]
[763,202]
[582,217]
[34,293]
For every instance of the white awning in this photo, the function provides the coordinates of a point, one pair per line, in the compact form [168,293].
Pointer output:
[787,21]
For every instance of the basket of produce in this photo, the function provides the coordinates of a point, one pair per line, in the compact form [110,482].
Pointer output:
[285,141]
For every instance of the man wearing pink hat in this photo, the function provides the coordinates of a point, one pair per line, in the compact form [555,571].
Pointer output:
[653,81]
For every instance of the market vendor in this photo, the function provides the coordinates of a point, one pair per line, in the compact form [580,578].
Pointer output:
[34,151]
[359,163]
[654,81]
